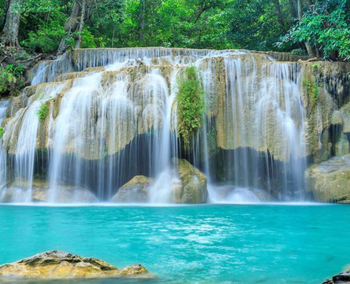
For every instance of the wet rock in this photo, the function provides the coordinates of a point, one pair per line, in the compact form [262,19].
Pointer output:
[18,191]
[341,278]
[329,181]
[135,191]
[62,265]
[193,186]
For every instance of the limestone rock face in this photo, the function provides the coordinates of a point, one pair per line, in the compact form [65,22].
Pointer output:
[62,265]
[40,192]
[193,188]
[134,191]
[329,181]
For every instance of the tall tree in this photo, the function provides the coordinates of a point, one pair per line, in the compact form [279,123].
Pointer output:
[11,27]
[74,24]
[309,49]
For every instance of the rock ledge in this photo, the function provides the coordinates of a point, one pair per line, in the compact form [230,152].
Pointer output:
[59,265]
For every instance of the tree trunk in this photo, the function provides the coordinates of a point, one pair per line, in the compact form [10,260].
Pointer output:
[4,16]
[309,49]
[309,2]
[142,27]
[71,26]
[279,14]
[11,27]
[81,25]
[293,10]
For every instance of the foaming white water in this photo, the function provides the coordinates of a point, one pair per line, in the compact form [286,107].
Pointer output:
[3,156]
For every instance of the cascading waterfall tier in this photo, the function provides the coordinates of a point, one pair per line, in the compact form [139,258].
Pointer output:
[112,115]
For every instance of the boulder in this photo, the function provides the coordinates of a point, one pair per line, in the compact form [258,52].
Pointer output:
[62,265]
[193,186]
[341,278]
[329,181]
[134,191]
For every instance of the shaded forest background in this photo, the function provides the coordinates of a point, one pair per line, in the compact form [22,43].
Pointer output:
[315,27]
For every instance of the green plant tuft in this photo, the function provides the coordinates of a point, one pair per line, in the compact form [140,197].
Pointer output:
[10,77]
[311,88]
[43,111]
[1,132]
[190,104]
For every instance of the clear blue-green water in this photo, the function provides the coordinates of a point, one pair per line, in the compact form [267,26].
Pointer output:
[189,244]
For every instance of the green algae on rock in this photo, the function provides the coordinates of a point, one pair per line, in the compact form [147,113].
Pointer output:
[193,188]
[134,191]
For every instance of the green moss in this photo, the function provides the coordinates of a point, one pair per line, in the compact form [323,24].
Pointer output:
[316,66]
[1,132]
[211,138]
[312,89]
[190,104]
[43,111]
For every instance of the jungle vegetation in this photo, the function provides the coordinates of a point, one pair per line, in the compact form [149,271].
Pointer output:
[315,27]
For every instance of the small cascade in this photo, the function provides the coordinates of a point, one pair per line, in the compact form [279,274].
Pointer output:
[3,157]
[112,115]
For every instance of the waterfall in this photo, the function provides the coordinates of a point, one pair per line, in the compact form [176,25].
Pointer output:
[113,115]
[3,157]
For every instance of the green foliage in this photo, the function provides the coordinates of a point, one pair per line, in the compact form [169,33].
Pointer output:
[45,40]
[312,89]
[43,112]
[298,51]
[326,27]
[90,41]
[190,104]
[1,132]
[315,66]
[217,24]
[10,77]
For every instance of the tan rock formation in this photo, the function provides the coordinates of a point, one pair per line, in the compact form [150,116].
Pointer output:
[62,265]
[134,191]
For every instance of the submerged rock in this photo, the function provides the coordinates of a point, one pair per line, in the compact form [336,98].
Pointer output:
[134,191]
[60,265]
[329,181]
[193,187]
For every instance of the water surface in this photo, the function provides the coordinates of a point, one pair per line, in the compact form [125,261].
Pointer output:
[189,244]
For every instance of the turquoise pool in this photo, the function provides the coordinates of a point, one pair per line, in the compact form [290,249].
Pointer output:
[189,244]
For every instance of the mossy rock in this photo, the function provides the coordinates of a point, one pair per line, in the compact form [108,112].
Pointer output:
[329,181]
[193,187]
[134,191]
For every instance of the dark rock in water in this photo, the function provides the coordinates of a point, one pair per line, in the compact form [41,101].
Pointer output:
[341,278]
[61,265]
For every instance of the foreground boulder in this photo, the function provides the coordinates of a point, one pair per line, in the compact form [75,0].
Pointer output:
[330,181]
[193,187]
[60,265]
[341,278]
[134,191]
